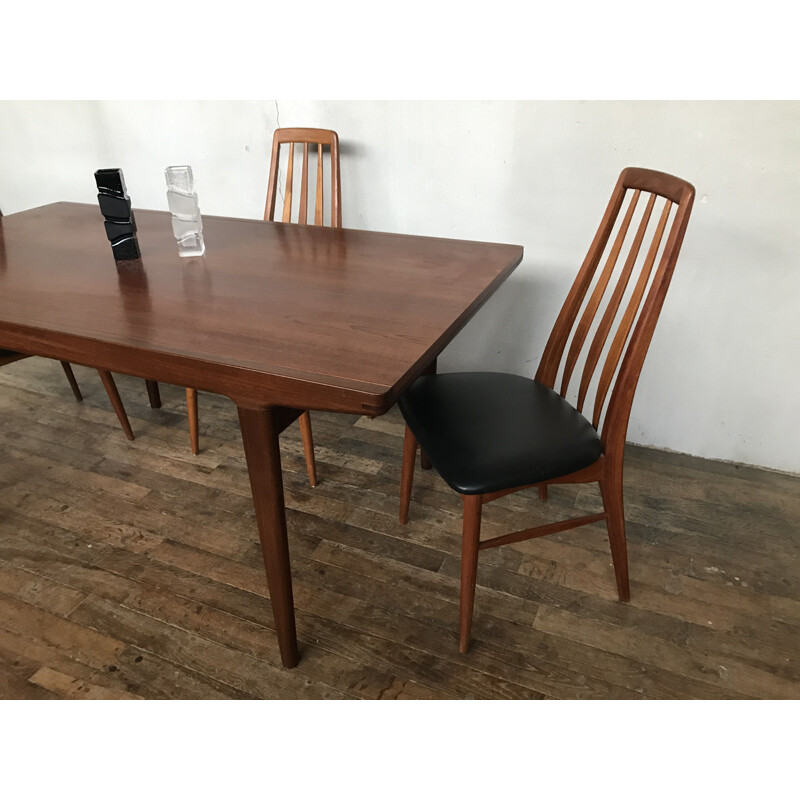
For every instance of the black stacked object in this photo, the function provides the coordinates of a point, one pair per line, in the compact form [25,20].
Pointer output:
[116,208]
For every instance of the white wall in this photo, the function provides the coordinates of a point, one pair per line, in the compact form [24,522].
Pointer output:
[723,376]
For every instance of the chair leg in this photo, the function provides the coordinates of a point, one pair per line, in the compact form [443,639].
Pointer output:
[72,382]
[424,461]
[469,566]
[308,447]
[191,408]
[153,394]
[116,401]
[407,475]
[611,491]
[543,492]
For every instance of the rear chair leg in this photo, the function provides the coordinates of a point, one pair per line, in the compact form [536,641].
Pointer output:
[191,408]
[153,394]
[424,461]
[116,401]
[611,491]
[72,382]
[308,447]
[407,479]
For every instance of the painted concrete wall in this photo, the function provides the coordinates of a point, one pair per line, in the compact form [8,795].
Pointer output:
[723,376]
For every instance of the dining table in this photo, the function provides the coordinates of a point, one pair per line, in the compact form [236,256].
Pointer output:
[279,317]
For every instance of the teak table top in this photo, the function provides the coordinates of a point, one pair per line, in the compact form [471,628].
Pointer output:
[284,314]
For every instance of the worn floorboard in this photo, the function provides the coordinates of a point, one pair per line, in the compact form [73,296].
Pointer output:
[132,569]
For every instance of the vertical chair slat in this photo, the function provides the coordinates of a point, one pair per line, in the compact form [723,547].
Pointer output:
[621,336]
[272,181]
[613,305]
[557,341]
[336,187]
[303,213]
[594,301]
[318,205]
[287,198]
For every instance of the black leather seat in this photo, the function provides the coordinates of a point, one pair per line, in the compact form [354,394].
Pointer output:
[488,431]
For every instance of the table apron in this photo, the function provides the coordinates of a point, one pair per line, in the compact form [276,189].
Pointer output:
[247,388]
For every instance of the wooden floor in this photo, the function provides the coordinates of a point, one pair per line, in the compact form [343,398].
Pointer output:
[134,570]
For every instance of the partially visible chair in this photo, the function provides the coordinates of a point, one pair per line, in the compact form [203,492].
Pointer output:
[10,356]
[491,434]
[295,136]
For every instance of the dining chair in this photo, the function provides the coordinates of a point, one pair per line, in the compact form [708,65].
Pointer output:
[306,137]
[491,434]
[10,356]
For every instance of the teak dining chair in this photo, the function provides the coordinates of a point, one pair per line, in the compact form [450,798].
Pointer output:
[295,136]
[491,434]
[10,356]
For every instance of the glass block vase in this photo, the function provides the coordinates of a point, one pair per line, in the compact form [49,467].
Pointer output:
[115,206]
[187,224]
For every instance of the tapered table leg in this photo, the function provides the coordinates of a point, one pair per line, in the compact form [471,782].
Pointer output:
[260,429]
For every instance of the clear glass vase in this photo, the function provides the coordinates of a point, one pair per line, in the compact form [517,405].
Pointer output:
[187,224]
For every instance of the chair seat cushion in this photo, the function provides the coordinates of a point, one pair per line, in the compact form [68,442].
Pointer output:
[488,431]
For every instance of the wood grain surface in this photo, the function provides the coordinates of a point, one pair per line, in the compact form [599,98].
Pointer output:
[134,569]
[297,315]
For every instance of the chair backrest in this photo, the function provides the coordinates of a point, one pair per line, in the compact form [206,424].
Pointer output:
[305,137]
[606,352]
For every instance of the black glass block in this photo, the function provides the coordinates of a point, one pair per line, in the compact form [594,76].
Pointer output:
[112,206]
[116,229]
[125,249]
[111,181]
[115,205]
